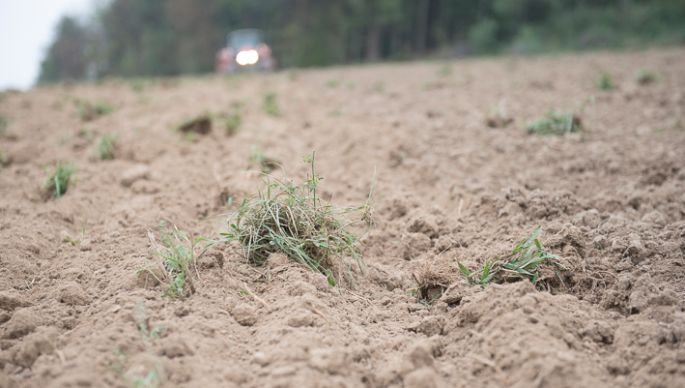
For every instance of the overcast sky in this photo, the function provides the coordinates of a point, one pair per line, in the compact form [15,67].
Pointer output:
[26,29]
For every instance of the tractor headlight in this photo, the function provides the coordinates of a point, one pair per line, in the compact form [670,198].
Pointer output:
[247,57]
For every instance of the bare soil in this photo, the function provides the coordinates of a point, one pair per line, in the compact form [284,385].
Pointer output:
[458,179]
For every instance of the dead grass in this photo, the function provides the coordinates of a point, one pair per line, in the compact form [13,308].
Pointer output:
[293,219]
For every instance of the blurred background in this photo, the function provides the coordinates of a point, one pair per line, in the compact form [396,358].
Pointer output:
[132,38]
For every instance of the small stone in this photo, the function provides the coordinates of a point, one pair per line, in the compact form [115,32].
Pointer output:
[71,293]
[134,174]
[182,311]
[261,359]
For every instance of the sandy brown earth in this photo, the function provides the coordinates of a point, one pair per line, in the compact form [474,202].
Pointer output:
[75,313]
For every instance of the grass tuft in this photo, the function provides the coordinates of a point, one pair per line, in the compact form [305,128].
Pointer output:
[106,146]
[89,111]
[445,70]
[332,83]
[4,123]
[177,252]
[294,220]
[270,105]
[645,77]
[525,261]
[556,123]
[4,159]
[233,119]
[58,182]
[605,81]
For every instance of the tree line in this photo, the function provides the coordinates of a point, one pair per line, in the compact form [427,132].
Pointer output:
[132,38]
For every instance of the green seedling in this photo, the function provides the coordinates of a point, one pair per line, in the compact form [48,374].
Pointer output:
[140,378]
[293,219]
[89,111]
[233,119]
[138,85]
[445,70]
[148,333]
[332,84]
[265,163]
[150,380]
[270,105]
[105,147]
[4,159]
[645,77]
[58,182]
[4,123]
[177,252]
[75,241]
[525,261]
[498,117]
[555,123]
[232,123]
[605,81]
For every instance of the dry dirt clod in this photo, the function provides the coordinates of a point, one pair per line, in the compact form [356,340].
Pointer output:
[174,347]
[423,378]
[71,293]
[498,121]
[10,300]
[430,326]
[133,174]
[34,345]
[201,125]
[23,321]
[302,318]
[245,314]
[332,361]
[415,244]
